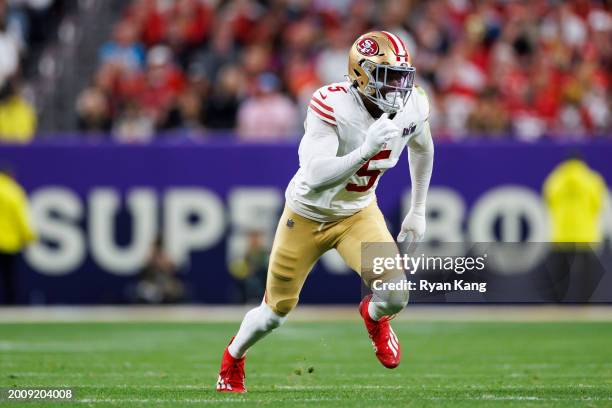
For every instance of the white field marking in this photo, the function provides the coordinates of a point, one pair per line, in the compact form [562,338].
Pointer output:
[432,387]
[483,366]
[432,366]
[485,374]
[91,374]
[86,366]
[207,386]
[155,374]
[193,400]
[457,375]
[513,398]
[203,387]
[435,375]
[531,365]
[78,347]
[487,366]
[485,397]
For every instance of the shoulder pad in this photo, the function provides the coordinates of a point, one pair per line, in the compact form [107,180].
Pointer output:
[328,101]
[420,102]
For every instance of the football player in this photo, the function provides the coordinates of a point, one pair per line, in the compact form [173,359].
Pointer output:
[354,132]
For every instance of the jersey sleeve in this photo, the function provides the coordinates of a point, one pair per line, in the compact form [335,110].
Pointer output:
[322,108]
[320,166]
[319,139]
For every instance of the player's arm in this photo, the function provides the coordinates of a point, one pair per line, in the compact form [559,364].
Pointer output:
[319,147]
[420,161]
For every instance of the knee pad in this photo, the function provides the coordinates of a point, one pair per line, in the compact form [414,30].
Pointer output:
[282,306]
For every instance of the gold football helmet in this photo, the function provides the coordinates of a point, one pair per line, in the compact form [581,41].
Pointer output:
[381,69]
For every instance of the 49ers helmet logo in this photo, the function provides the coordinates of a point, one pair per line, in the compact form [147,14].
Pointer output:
[367,47]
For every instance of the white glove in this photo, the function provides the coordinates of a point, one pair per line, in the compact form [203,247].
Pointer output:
[379,133]
[413,227]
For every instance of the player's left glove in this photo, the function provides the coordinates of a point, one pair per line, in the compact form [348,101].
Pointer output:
[413,227]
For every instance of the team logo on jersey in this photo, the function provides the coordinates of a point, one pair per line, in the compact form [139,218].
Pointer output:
[367,47]
[409,130]
[290,223]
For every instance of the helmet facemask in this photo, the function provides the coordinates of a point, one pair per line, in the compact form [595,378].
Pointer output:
[389,87]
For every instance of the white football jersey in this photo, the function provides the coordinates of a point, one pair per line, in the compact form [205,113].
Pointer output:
[340,106]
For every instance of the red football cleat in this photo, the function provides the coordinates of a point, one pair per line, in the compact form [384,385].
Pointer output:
[385,342]
[231,375]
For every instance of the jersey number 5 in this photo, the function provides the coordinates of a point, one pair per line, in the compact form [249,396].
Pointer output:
[364,172]
[337,88]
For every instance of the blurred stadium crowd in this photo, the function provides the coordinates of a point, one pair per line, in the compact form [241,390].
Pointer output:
[521,69]
[25,27]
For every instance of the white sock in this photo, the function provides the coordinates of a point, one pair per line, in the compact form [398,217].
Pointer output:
[375,310]
[257,323]
[388,303]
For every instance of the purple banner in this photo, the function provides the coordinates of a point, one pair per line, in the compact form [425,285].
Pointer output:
[99,206]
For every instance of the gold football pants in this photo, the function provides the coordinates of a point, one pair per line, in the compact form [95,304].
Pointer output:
[299,242]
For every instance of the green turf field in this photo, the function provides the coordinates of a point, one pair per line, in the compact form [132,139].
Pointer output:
[314,364]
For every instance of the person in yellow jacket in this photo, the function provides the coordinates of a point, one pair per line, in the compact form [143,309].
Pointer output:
[15,230]
[574,195]
[17,120]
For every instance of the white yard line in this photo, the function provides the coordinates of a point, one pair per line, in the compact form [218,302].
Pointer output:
[425,387]
[229,400]
[208,387]
[248,399]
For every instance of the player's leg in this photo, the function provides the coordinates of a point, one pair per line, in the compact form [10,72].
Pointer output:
[294,252]
[368,227]
[257,323]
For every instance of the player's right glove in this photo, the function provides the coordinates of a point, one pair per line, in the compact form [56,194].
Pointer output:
[379,133]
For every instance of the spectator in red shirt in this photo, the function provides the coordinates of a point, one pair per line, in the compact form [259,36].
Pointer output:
[268,114]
